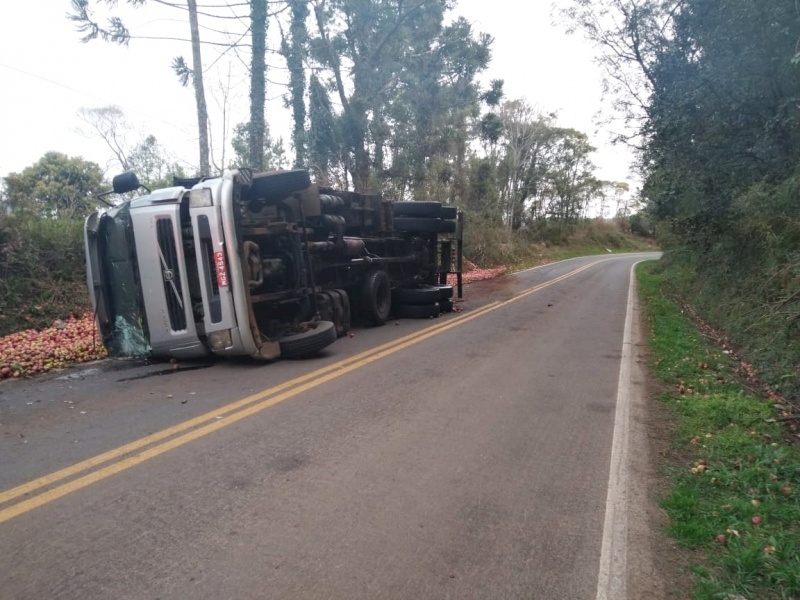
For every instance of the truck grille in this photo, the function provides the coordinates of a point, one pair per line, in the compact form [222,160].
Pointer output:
[170,269]
[207,245]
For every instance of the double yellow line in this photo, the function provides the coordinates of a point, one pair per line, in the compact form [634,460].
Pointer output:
[141,450]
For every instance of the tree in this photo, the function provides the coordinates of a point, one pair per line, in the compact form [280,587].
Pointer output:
[258,83]
[4,207]
[199,90]
[324,135]
[273,154]
[432,120]
[152,164]
[619,191]
[294,49]
[570,182]
[110,125]
[724,111]
[147,158]
[56,186]
[630,35]
[525,135]
[116,32]
[411,88]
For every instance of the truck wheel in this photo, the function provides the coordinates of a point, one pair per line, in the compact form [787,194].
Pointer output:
[321,335]
[448,227]
[424,294]
[336,312]
[325,306]
[417,224]
[416,311]
[449,212]
[376,297]
[445,292]
[344,321]
[277,185]
[417,209]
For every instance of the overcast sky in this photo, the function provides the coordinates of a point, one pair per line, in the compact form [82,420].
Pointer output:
[47,74]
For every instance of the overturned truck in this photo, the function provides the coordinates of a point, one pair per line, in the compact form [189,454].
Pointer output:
[266,265]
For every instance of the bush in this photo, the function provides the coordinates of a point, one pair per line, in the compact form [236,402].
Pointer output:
[641,224]
[42,272]
[489,243]
[745,278]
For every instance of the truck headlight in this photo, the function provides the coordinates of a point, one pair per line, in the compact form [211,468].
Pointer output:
[219,340]
[200,198]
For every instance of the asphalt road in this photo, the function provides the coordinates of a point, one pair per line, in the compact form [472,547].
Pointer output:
[463,457]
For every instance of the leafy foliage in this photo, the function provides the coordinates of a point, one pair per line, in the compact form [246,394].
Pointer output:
[272,155]
[42,273]
[152,164]
[57,186]
[533,170]
[410,92]
[717,96]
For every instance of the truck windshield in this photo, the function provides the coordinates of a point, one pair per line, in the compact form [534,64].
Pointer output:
[118,296]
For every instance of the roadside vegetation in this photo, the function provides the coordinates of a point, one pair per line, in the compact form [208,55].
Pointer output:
[711,92]
[734,472]
[42,272]
[45,318]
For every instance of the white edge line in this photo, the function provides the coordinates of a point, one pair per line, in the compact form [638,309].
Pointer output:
[611,579]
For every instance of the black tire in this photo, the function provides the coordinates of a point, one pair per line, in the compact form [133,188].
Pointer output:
[424,294]
[321,335]
[449,212]
[417,209]
[445,292]
[416,311]
[417,224]
[341,308]
[446,305]
[337,311]
[325,306]
[376,297]
[448,227]
[348,316]
[277,185]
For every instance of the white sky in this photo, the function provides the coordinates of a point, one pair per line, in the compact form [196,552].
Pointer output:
[47,74]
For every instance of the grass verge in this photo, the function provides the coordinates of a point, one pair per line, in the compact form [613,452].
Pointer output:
[734,490]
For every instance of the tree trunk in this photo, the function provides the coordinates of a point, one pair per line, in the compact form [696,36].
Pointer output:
[295,55]
[199,93]
[258,82]
[354,113]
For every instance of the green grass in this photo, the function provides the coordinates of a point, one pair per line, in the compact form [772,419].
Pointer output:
[737,463]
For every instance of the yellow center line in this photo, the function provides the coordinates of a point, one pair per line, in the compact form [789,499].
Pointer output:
[226,415]
[199,420]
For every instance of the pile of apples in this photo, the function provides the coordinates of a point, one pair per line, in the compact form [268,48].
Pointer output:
[28,352]
[473,272]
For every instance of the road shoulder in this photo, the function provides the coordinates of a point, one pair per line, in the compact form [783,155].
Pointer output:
[657,568]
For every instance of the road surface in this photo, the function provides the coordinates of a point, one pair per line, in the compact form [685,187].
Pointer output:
[484,454]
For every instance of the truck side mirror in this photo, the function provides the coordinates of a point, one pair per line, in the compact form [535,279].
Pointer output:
[126,182]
